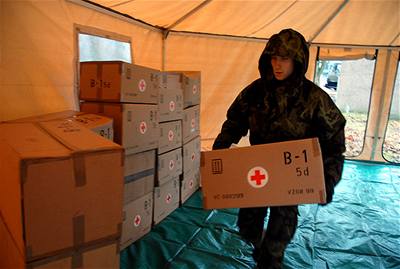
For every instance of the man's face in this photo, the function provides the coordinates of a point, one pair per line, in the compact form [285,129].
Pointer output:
[282,67]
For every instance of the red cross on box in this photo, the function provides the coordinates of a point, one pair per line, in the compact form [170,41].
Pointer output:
[142,85]
[257,177]
[171,164]
[143,127]
[172,106]
[137,220]
[168,198]
[170,135]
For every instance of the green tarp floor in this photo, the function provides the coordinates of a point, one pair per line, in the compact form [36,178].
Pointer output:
[360,229]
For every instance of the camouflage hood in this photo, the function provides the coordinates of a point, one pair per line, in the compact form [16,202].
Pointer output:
[289,43]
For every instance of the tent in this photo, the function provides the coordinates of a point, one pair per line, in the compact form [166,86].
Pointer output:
[40,54]
[223,39]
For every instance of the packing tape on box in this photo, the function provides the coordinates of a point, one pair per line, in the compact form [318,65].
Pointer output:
[76,260]
[139,175]
[78,230]
[79,169]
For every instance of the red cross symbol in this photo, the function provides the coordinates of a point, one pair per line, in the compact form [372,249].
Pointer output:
[171,106]
[194,89]
[170,135]
[193,156]
[171,164]
[137,220]
[143,127]
[142,85]
[193,123]
[191,183]
[168,198]
[257,177]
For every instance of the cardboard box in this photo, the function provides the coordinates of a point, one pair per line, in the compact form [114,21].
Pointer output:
[191,156]
[169,166]
[137,216]
[190,183]
[140,172]
[277,174]
[170,104]
[170,136]
[166,199]
[61,187]
[98,124]
[135,125]
[103,254]
[115,81]
[190,123]
[191,88]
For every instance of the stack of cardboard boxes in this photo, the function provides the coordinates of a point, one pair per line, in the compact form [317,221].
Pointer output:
[169,155]
[152,112]
[129,94]
[190,179]
[60,196]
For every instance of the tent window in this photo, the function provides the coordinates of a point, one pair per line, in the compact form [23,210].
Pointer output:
[348,81]
[391,145]
[96,48]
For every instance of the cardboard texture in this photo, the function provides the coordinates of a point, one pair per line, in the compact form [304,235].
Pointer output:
[135,125]
[190,183]
[166,199]
[170,103]
[140,171]
[191,156]
[277,174]
[103,254]
[98,124]
[191,88]
[190,123]
[169,166]
[170,136]
[59,180]
[115,81]
[137,221]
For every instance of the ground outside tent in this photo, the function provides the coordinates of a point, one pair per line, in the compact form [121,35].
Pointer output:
[359,229]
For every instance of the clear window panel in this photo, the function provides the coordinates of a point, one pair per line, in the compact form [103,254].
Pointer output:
[391,143]
[349,84]
[95,48]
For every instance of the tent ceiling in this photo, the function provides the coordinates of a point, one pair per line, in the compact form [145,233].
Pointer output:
[346,22]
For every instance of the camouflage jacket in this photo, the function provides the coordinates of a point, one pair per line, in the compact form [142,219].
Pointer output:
[275,111]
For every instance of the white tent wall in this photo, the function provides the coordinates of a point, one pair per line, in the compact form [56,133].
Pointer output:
[39,70]
[227,66]
[39,53]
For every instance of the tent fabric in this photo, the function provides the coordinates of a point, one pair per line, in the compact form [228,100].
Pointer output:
[359,229]
[329,22]
[39,52]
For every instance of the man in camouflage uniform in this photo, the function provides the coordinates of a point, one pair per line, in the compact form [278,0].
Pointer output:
[283,105]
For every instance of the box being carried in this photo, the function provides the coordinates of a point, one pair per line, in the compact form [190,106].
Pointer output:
[277,174]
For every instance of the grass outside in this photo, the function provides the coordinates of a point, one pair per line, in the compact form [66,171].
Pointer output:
[355,132]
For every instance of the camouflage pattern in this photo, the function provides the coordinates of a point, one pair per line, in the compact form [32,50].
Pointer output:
[275,111]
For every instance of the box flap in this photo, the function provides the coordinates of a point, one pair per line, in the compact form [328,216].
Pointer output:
[29,141]
[77,137]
